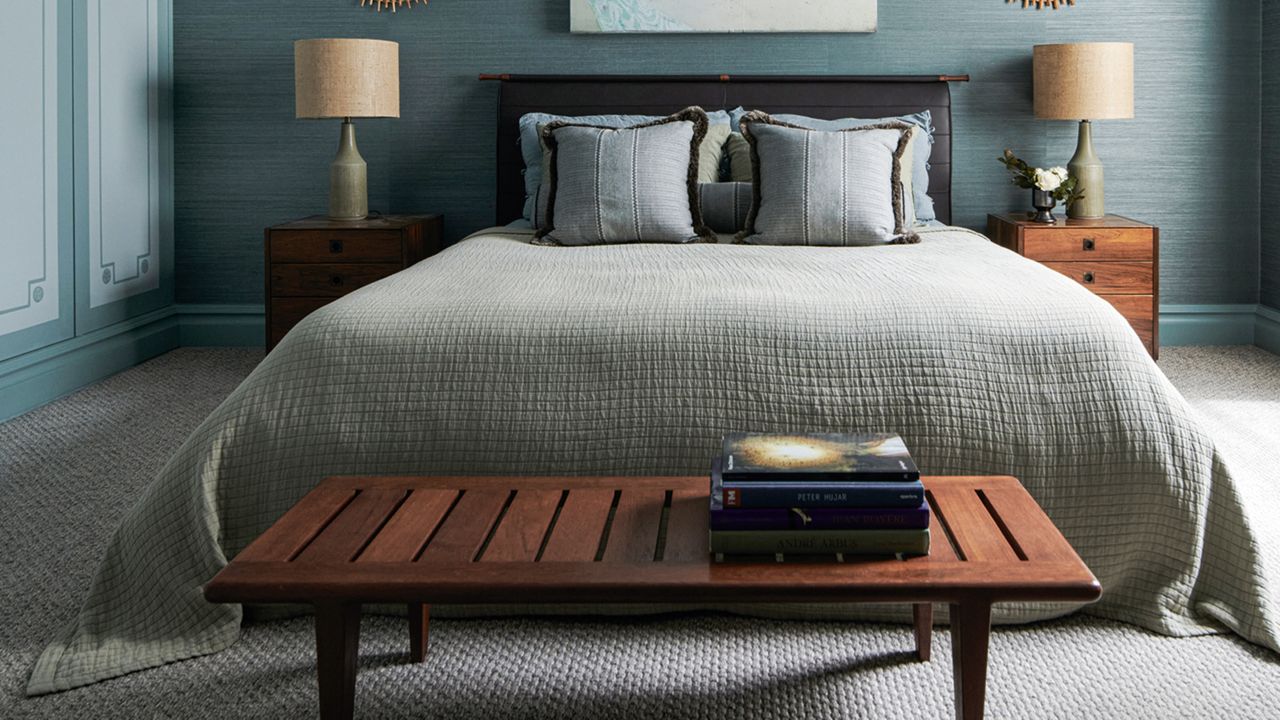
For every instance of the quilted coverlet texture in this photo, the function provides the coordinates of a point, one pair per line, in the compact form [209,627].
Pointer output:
[501,357]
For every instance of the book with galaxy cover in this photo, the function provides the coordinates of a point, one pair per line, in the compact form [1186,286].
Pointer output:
[816,457]
[794,494]
[820,542]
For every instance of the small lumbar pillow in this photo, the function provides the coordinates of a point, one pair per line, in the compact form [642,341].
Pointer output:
[624,185]
[814,187]
[725,205]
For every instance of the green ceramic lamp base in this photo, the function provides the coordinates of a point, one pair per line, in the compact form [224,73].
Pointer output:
[1087,168]
[348,179]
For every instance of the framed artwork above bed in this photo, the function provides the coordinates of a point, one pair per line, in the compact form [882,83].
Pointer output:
[722,16]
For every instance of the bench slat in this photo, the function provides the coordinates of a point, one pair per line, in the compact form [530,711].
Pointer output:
[576,536]
[299,526]
[351,529]
[975,532]
[688,527]
[519,536]
[633,537]
[408,530]
[1034,532]
[940,549]
[466,528]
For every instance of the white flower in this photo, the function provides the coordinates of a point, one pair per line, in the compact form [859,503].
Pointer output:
[1061,172]
[1047,180]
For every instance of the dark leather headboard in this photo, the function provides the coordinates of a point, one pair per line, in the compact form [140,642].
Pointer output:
[822,97]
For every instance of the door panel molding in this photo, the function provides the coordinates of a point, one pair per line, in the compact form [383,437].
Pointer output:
[124,238]
[35,192]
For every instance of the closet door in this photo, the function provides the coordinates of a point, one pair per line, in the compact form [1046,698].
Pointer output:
[123,229]
[36,307]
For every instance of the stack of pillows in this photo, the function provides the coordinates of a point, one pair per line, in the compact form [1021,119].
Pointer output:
[777,180]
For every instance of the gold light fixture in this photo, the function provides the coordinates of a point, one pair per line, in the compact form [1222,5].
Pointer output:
[1042,4]
[393,4]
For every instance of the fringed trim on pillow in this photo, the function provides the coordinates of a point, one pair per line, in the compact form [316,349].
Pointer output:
[902,234]
[693,114]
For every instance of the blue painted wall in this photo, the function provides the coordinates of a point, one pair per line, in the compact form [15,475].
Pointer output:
[1269,269]
[1187,162]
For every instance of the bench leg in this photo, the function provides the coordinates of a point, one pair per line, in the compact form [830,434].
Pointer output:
[924,630]
[970,638]
[419,619]
[337,648]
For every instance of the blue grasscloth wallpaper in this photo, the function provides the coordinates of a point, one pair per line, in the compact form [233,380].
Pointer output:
[1270,223]
[1188,162]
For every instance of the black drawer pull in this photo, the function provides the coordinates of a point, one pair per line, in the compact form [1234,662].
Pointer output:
[1089,244]
[335,280]
[335,246]
[1088,278]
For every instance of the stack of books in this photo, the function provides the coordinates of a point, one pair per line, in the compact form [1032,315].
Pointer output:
[817,494]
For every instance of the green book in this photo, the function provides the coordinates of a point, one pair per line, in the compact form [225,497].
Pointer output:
[820,542]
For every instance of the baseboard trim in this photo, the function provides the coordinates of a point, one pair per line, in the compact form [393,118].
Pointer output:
[1266,333]
[42,376]
[221,325]
[1207,324]
[38,377]
[244,325]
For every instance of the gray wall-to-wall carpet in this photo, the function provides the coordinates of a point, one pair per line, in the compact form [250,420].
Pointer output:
[83,461]
[1270,222]
[1187,162]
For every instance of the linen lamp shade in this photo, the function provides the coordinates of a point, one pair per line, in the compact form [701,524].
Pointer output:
[346,77]
[1084,81]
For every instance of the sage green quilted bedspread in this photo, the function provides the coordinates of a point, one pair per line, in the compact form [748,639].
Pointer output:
[500,357]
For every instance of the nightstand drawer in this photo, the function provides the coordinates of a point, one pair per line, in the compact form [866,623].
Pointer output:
[1139,310]
[307,246]
[1128,278]
[1068,243]
[324,279]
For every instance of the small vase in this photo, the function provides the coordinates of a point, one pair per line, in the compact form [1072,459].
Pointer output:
[1044,204]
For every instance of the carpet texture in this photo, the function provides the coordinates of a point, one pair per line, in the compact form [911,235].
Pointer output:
[68,471]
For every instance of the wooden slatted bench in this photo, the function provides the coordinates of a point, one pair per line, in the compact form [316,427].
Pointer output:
[461,540]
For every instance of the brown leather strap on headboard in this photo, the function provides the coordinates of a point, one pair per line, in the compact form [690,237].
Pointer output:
[818,96]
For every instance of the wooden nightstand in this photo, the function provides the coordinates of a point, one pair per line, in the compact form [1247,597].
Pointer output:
[313,261]
[1115,257]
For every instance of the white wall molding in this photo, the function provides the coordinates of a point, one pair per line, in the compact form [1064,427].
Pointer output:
[30,292]
[123,154]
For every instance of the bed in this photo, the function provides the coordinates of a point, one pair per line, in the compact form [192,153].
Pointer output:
[499,356]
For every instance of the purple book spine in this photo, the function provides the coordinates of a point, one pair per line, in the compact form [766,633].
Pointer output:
[820,518]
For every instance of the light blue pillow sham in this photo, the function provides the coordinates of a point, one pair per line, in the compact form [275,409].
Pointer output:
[531,147]
[921,152]
[828,187]
[624,185]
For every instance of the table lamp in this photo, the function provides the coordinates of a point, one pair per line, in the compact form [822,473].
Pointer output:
[347,78]
[1084,81]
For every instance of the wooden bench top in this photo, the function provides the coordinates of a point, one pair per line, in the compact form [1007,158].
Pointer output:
[625,539]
